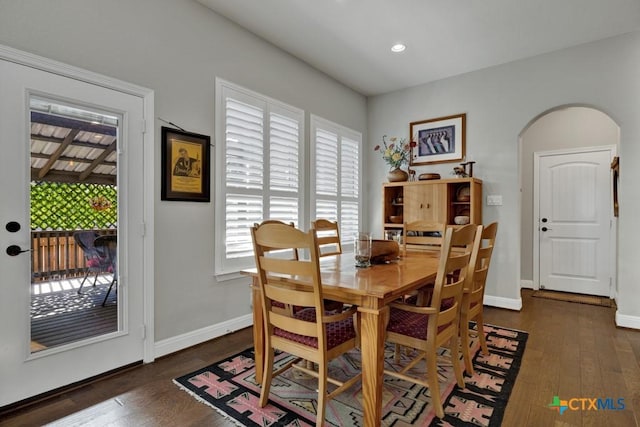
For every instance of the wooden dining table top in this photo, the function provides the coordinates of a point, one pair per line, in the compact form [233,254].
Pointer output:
[343,281]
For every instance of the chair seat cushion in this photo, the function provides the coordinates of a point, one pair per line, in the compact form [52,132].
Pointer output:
[330,305]
[410,324]
[277,304]
[447,303]
[337,332]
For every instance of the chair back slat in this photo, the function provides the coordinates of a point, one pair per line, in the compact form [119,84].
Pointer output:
[295,254]
[277,291]
[423,236]
[286,266]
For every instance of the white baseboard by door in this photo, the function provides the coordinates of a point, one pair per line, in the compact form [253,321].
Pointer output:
[173,344]
[624,321]
[501,302]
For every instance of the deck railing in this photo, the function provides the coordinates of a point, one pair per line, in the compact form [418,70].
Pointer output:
[57,256]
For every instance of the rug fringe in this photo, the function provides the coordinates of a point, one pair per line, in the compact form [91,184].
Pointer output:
[202,400]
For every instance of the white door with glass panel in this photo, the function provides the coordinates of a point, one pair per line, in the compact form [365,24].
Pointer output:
[574,227]
[72,160]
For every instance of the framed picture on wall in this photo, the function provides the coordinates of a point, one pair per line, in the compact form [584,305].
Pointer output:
[185,166]
[438,140]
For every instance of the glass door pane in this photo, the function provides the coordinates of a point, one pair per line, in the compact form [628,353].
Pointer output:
[74,223]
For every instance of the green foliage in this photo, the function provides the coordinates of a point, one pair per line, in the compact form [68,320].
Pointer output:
[62,206]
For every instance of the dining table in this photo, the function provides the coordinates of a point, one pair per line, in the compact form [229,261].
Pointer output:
[371,289]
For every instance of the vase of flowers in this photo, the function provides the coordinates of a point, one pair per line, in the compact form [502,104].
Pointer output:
[395,153]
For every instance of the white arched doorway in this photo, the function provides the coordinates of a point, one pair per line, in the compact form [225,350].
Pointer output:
[570,129]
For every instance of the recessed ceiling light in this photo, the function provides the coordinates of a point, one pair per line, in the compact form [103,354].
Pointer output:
[398,48]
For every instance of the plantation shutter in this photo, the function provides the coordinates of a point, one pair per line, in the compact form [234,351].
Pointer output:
[350,189]
[336,165]
[261,172]
[244,173]
[284,166]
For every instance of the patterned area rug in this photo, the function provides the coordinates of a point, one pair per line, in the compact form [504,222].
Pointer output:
[229,387]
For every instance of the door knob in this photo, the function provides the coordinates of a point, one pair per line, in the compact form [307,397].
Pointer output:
[545,229]
[544,220]
[14,250]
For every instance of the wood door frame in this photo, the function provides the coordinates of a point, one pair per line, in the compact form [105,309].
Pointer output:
[146,229]
[612,149]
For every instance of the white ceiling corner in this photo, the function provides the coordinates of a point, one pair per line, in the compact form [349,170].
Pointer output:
[350,40]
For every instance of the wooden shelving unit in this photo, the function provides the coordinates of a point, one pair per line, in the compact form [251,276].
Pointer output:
[435,200]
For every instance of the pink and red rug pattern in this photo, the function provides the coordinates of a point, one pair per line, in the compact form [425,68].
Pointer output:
[229,386]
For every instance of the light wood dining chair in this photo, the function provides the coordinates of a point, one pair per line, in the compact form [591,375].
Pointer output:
[328,236]
[423,236]
[286,309]
[312,334]
[329,243]
[425,329]
[473,297]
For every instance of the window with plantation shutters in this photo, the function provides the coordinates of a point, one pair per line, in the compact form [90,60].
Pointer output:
[260,145]
[336,176]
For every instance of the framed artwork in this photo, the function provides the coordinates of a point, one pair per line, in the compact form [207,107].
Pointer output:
[438,140]
[185,166]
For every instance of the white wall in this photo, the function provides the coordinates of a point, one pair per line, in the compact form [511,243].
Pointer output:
[570,127]
[177,48]
[500,102]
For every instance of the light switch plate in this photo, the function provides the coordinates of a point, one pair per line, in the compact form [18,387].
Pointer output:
[494,200]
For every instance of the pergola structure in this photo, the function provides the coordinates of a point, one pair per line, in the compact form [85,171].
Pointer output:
[70,150]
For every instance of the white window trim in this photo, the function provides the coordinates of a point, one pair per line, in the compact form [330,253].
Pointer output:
[226,269]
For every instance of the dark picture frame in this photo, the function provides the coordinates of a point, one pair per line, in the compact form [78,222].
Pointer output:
[439,140]
[185,166]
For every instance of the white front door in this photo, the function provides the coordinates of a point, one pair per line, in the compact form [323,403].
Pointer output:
[574,221]
[24,373]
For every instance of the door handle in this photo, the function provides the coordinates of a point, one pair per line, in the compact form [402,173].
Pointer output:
[545,229]
[14,250]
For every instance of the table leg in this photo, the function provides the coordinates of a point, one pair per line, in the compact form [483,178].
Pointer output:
[373,325]
[258,330]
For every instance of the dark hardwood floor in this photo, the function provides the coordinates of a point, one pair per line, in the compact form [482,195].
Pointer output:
[573,351]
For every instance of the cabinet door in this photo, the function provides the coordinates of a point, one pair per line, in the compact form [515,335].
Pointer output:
[425,203]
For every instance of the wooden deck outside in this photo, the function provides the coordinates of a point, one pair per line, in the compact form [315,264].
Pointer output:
[56,256]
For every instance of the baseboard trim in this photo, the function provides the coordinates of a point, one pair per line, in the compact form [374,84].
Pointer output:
[624,321]
[501,302]
[180,342]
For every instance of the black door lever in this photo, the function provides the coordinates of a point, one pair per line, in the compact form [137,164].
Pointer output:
[14,250]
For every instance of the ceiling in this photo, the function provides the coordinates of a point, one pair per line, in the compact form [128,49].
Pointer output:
[350,40]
